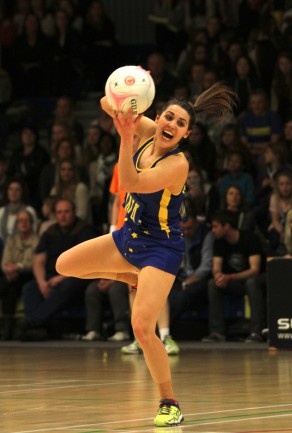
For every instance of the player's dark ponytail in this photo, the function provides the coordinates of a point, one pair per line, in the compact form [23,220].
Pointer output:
[218,100]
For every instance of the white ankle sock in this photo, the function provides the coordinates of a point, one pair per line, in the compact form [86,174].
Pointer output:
[163,332]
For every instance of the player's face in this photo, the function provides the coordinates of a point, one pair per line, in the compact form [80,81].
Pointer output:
[173,125]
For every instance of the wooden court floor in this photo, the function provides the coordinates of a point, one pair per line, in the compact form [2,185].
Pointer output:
[88,388]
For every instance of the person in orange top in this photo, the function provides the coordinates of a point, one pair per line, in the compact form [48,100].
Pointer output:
[118,212]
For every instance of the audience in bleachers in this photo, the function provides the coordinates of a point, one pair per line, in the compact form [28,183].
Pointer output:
[54,53]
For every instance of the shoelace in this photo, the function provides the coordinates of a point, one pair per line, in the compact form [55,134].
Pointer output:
[165,409]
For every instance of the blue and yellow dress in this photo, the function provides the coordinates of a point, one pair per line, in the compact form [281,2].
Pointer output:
[151,234]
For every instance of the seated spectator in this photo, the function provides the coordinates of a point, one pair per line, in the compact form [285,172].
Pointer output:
[203,150]
[47,215]
[230,141]
[281,98]
[31,59]
[280,203]
[203,194]
[288,234]
[191,284]
[275,158]
[90,148]
[67,63]
[69,187]
[164,80]
[234,202]
[100,173]
[49,293]
[99,295]
[64,149]
[28,161]
[99,36]
[16,266]
[236,175]
[238,269]
[259,126]
[3,177]
[64,113]
[245,81]
[288,137]
[195,80]
[15,200]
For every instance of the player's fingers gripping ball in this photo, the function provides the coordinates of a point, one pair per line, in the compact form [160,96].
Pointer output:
[130,87]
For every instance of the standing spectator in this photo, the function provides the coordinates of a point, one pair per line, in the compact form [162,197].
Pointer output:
[16,266]
[15,200]
[238,269]
[49,293]
[69,187]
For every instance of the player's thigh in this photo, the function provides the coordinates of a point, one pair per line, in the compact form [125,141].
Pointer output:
[94,255]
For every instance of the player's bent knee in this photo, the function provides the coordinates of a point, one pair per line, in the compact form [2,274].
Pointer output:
[62,265]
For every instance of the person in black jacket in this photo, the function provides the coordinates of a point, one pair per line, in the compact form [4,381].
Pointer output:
[49,293]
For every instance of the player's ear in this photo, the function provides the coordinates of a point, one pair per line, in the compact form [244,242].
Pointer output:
[157,118]
[187,133]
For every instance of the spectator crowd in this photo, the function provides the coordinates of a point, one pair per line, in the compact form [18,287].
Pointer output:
[57,190]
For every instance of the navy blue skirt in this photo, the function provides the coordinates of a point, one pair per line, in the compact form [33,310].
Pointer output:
[140,248]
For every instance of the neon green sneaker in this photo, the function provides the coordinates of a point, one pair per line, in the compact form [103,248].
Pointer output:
[170,345]
[168,414]
[132,349]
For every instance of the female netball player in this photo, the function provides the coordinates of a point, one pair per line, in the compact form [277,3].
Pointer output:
[147,251]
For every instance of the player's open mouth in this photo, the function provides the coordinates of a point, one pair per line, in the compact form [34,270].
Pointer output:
[167,135]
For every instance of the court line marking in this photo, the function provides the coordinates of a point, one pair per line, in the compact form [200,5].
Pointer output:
[68,386]
[192,425]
